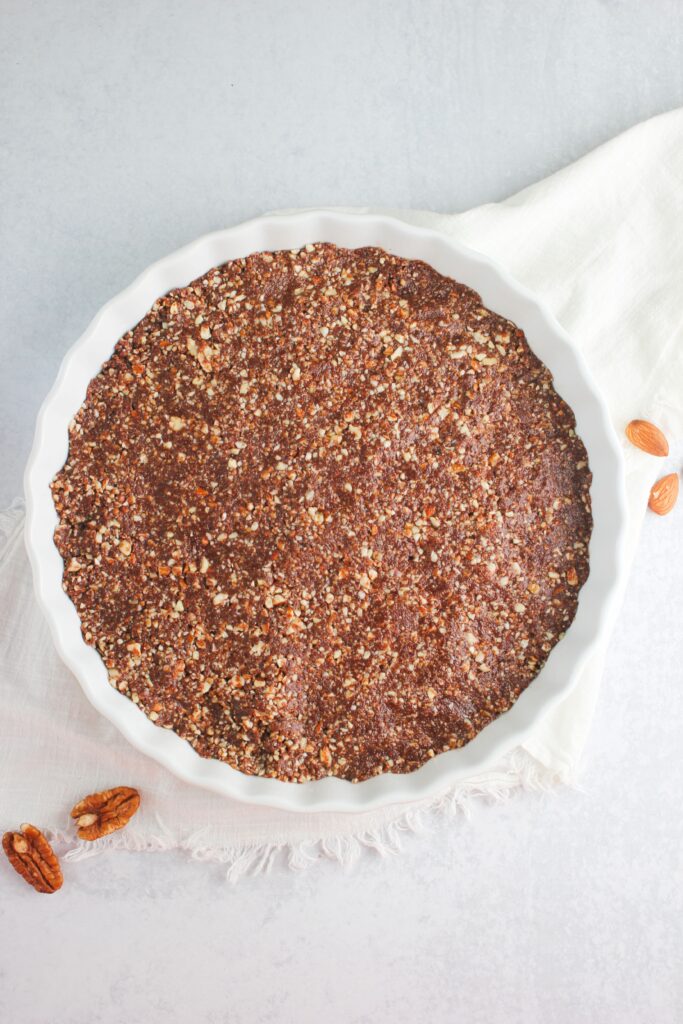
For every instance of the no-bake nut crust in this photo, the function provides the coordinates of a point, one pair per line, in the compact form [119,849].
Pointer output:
[323,514]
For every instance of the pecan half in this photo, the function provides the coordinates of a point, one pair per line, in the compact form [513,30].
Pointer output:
[101,813]
[33,858]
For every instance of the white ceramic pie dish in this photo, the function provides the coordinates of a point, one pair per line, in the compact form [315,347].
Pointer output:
[500,293]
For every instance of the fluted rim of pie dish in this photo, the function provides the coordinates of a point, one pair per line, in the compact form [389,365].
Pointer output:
[573,382]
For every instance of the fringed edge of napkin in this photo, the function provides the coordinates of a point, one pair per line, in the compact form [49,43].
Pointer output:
[521,771]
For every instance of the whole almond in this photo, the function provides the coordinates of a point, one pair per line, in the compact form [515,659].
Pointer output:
[647,437]
[664,494]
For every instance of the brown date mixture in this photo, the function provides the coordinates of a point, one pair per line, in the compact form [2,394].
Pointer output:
[323,514]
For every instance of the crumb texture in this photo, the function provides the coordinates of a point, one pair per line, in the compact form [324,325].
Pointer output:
[323,514]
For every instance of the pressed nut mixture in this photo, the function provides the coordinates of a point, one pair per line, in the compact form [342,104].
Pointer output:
[323,514]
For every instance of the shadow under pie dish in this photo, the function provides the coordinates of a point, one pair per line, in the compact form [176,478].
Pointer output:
[323,514]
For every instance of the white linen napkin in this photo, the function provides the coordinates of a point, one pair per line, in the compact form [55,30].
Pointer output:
[602,243]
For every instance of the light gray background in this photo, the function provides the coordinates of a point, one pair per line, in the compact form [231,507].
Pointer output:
[130,128]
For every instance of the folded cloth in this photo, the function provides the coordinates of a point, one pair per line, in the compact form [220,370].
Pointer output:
[602,243]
